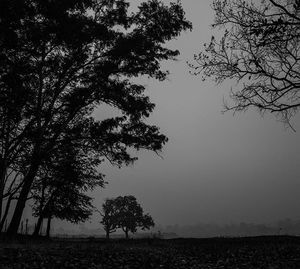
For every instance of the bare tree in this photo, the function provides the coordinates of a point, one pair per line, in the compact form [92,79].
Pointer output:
[260,51]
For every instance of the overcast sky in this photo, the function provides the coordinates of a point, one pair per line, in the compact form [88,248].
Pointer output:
[216,167]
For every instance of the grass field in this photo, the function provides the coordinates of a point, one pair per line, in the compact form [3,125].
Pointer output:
[253,252]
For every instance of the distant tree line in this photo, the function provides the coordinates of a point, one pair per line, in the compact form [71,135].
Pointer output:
[61,60]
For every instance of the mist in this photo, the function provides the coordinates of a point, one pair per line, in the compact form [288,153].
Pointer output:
[217,168]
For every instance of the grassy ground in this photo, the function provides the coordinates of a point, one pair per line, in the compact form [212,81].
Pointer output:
[255,252]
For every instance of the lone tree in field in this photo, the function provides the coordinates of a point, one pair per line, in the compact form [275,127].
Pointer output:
[59,61]
[260,51]
[131,216]
[126,213]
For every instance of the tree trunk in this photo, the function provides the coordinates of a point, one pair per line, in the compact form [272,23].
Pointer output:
[5,212]
[2,180]
[38,226]
[28,180]
[48,227]
[40,214]
[126,234]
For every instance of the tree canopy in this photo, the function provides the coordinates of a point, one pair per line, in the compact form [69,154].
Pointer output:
[61,60]
[259,50]
[59,188]
[126,213]
[109,217]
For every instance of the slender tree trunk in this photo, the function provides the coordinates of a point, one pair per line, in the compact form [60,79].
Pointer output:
[2,180]
[40,214]
[38,226]
[28,180]
[26,227]
[126,234]
[107,234]
[7,206]
[48,227]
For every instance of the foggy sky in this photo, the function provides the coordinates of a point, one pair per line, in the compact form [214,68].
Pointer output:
[216,167]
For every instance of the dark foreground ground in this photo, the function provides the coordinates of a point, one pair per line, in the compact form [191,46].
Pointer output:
[255,252]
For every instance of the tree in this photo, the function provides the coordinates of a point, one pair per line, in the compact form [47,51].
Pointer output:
[130,215]
[126,213]
[74,207]
[260,51]
[109,217]
[60,60]
[12,184]
[59,189]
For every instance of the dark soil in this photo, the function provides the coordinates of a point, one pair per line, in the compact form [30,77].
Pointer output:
[252,252]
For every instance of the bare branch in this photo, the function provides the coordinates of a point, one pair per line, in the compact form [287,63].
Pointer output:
[260,51]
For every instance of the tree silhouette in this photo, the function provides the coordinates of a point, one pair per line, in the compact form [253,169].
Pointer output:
[60,60]
[13,183]
[260,51]
[59,189]
[126,213]
[109,217]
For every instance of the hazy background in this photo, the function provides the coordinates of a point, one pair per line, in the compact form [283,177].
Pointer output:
[216,168]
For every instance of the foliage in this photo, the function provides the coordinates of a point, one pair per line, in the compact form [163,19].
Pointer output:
[61,60]
[59,188]
[109,217]
[260,51]
[130,215]
[126,213]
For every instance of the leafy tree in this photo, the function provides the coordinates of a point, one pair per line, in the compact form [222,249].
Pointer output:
[60,60]
[67,204]
[130,215]
[260,51]
[59,190]
[109,217]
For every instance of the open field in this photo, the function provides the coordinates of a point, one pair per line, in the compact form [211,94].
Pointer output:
[255,252]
